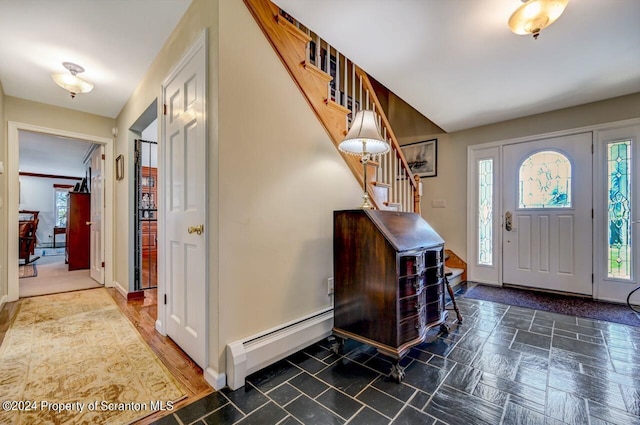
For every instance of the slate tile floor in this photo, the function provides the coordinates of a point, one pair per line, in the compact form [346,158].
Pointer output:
[503,365]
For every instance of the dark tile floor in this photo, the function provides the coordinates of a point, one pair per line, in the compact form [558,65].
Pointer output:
[503,365]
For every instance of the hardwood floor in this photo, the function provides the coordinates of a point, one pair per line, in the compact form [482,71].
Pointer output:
[143,314]
[149,270]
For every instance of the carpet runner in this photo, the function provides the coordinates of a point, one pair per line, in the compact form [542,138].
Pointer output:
[556,303]
[76,359]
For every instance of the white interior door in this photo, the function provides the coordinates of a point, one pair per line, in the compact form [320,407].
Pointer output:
[547,222]
[184,205]
[97,208]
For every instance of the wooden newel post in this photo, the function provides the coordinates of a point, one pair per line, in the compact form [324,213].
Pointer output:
[417,194]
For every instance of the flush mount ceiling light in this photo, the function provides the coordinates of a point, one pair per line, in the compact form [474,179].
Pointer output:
[72,82]
[535,15]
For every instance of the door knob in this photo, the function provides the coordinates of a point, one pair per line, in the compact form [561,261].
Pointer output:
[507,221]
[89,223]
[196,229]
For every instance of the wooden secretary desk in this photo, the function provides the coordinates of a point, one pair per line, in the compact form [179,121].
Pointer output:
[389,281]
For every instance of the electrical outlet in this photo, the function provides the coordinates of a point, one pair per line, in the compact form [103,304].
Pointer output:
[329,286]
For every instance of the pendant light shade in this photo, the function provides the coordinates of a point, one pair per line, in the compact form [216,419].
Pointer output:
[71,82]
[535,15]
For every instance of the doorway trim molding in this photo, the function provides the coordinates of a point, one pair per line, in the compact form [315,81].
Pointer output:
[474,152]
[13,156]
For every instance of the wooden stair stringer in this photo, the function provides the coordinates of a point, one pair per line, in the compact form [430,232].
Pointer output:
[290,46]
[454,262]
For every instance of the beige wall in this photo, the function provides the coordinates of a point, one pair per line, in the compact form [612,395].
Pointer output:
[281,178]
[40,114]
[43,115]
[451,182]
[274,179]
[200,14]
[3,196]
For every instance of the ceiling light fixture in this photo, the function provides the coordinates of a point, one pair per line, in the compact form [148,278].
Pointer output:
[72,82]
[535,15]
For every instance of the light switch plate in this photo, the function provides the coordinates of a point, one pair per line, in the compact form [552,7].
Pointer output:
[1,167]
[438,203]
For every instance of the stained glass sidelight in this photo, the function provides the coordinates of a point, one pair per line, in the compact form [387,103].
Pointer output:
[545,181]
[485,209]
[619,209]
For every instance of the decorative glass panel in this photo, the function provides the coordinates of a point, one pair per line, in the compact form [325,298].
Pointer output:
[619,209]
[485,212]
[545,181]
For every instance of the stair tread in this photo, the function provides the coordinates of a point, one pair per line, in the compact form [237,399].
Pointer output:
[455,272]
[382,184]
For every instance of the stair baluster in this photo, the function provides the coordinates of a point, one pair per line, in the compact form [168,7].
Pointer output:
[350,89]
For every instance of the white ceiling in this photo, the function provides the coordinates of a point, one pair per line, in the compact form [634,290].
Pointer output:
[114,40]
[47,154]
[455,61]
[458,63]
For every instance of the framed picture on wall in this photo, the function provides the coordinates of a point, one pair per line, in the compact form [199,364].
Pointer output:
[422,157]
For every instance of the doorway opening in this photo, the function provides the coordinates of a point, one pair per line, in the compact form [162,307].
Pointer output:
[146,219]
[57,197]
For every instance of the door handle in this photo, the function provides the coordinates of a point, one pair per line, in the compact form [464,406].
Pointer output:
[89,223]
[196,229]
[507,221]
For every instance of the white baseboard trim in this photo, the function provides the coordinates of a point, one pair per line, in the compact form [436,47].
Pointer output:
[3,301]
[258,351]
[160,328]
[217,380]
[487,283]
[120,289]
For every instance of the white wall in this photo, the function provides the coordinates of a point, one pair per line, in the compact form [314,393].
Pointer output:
[37,194]
[149,150]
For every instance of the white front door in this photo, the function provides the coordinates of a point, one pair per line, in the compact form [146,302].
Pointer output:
[547,218]
[184,205]
[97,207]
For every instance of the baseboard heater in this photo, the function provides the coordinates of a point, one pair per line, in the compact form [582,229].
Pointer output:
[258,351]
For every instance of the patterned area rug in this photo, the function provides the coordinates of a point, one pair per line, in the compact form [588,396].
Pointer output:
[556,303]
[27,270]
[74,358]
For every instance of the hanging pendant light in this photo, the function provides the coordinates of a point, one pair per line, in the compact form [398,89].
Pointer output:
[71,82]
[535,15]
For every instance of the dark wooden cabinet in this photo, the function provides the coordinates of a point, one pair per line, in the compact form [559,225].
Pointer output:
[78,237]
[389,280]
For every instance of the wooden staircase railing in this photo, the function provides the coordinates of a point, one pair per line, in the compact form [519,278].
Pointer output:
[336,89]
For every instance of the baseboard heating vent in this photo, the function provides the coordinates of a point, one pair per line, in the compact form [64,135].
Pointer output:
[260,350]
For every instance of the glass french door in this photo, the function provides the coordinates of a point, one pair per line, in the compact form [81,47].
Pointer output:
[146,219]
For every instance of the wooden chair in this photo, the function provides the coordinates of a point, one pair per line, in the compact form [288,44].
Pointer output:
[27,240]
[27,215]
